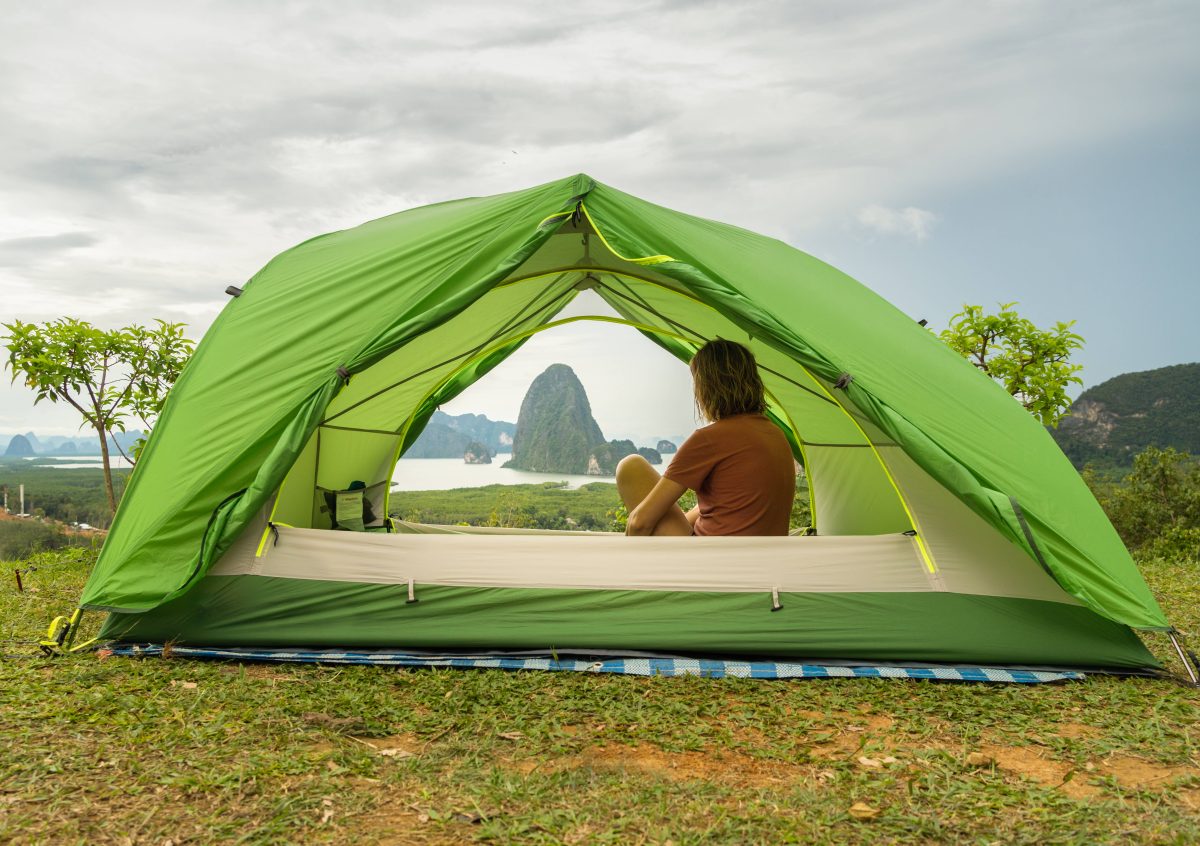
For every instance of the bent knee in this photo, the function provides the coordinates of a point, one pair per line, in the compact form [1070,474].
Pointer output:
[632,463]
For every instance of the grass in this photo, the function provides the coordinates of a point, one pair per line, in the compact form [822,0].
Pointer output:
[549,505]
[595,506]
[128,752]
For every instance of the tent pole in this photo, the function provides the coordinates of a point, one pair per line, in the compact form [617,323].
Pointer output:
[1182,657]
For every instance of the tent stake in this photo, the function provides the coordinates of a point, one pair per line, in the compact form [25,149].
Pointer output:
[1182,657]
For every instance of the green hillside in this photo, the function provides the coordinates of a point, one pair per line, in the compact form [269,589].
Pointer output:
[1112,422]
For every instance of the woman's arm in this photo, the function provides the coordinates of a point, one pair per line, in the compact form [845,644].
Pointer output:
[645,517]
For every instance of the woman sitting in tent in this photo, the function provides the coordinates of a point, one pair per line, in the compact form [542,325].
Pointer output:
[740,465]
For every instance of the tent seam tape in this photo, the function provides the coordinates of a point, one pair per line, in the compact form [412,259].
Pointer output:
[645,260]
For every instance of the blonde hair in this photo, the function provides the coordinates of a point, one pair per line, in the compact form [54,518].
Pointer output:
[726,381]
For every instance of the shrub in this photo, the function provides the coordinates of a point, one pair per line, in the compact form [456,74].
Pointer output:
[1156,507]
[21,538]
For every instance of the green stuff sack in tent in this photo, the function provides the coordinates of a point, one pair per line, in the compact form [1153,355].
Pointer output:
[949,527]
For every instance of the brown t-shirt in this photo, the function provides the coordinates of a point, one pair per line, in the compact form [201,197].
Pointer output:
[742,471]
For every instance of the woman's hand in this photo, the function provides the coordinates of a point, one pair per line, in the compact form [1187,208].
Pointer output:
[645,517]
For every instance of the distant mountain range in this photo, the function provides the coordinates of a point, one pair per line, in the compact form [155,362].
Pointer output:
[1107,425]
[29,444]
[1112,422]
[454,436]
[472,437]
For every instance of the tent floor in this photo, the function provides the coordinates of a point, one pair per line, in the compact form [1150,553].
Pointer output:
[906,628]
[637,665]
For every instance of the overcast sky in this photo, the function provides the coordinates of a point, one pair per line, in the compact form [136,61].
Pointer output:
[940,152]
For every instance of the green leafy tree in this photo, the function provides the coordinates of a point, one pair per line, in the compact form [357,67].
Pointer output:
[1032,364]
[110,377]
[1156,507]
[618,517]
[801,516]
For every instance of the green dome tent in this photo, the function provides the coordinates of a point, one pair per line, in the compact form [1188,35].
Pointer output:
[948,525]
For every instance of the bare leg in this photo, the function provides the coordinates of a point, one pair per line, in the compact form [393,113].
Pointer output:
[635,479]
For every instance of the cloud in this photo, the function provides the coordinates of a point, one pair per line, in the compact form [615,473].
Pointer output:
[194,143]
[21,251]
[909,221]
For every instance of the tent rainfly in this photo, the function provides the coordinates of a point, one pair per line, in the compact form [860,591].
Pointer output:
[947,525]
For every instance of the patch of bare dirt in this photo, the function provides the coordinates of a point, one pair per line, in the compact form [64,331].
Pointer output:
[396,822]
[1030,762]
[580,834]
[405,745]
[405,815]
[840,734]
[1141,774]
[320,748]
[855,734]
[852,733]
[809,715]
[873,740]
[864,718]
[724,766]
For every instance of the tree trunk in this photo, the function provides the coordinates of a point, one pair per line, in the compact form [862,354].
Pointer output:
[108,485]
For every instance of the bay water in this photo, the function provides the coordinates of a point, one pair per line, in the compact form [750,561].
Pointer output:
[441,474]
[421,474]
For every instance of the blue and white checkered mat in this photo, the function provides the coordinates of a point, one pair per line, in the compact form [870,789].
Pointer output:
[633,666]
